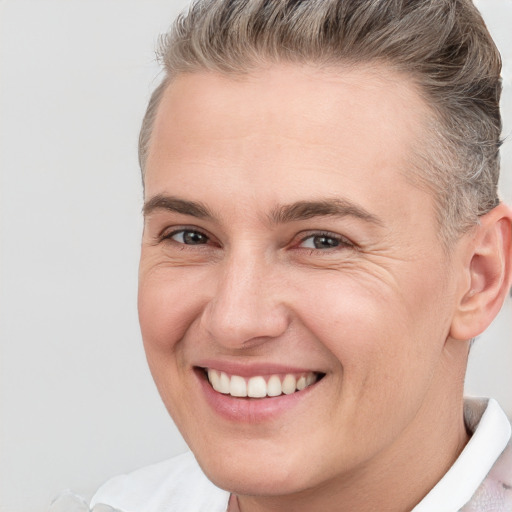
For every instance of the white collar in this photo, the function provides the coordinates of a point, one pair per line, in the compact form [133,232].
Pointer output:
[491,434]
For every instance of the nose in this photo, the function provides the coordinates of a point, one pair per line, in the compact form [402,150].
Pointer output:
[246,306]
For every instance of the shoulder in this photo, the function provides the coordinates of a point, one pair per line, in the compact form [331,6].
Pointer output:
[177,484]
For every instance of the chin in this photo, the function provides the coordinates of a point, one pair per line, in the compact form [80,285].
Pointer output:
[255,473]
[255,481]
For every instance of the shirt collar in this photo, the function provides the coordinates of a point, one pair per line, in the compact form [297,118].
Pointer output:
[491,433]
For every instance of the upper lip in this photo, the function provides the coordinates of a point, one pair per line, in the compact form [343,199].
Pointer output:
[252,369]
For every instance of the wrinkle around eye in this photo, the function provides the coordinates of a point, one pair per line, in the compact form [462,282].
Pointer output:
[352,259]
[164,252]
[355,272]
[160,263]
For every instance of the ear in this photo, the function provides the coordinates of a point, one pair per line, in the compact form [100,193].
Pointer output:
[489,274]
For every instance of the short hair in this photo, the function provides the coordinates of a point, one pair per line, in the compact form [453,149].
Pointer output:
[442,45]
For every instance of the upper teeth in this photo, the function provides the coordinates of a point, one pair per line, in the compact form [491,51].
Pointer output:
[259,387]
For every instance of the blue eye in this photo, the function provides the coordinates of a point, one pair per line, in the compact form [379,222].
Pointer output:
[189,237]
[323,241]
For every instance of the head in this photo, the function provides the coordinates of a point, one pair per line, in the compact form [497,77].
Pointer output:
[442,46]
[322,224]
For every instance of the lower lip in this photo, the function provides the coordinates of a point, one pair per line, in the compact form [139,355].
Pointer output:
[250,410]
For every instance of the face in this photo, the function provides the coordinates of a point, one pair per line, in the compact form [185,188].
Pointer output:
[286,255]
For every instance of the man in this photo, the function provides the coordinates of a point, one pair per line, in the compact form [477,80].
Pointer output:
[323,239]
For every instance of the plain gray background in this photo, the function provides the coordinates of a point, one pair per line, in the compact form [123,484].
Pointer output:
[77,403]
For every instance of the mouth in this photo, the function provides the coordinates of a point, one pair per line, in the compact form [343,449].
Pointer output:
[260,386]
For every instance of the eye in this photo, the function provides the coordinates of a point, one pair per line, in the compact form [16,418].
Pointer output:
[324,241]
[188,237]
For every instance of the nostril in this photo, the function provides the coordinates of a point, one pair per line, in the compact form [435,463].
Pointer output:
[235,324]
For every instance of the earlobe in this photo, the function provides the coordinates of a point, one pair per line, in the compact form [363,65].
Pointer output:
[489,271]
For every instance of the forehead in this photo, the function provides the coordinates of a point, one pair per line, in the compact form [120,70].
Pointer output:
[370,94]
[287,128]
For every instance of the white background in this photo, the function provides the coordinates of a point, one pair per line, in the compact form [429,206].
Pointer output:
[77,403]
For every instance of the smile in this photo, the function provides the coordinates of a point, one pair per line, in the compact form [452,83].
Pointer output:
[260,386]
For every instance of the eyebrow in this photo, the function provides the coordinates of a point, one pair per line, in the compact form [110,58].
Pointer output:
[303,210]
[176,205]
[281,214]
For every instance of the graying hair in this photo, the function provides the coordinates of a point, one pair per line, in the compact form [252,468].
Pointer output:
[442,45]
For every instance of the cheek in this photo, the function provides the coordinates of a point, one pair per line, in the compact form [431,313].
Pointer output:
[165,314]
[382,332]
[167,306]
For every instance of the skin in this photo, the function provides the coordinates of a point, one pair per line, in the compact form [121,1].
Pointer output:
[380,313]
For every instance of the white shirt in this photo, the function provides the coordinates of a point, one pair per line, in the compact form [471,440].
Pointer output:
[179,485]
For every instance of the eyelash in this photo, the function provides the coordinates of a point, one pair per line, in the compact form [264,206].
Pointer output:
[169,236]
[341,241]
